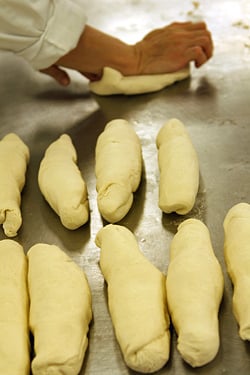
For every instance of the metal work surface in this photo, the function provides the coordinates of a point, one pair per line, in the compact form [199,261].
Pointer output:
[214,104]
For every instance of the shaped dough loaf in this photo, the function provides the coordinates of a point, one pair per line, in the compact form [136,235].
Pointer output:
[113,82]
[179,169]
[194,289]
[237,257]
[136,299]
[60,311]
[118,169]
[14,310]
[62,185]
[14,157]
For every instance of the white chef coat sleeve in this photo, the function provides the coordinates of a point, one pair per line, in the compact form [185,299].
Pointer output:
[41,31]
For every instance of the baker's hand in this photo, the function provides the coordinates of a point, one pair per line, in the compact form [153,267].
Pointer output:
[58,74]
[62,77]
[173,47]
[163,50]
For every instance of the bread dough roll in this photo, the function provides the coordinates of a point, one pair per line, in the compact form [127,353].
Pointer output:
[60,311]
[62,184]
[136,299]
[194,289]
[237,258]
[179,169]
[113,82]
[14,157]
[118,169]
[14,310]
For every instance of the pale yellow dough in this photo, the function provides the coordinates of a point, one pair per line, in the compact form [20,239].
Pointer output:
[237,257]
[194,289]
[60,311]
[179,168]
[118,168]
[14,157]
[14,310]
[136,299]
[62,184]
[113,82]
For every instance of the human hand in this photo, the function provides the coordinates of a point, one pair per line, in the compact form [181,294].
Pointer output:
[173,47]
[164,50]
[62,77]
[58,74]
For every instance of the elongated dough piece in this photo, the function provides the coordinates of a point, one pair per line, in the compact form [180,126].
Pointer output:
[14,310]
[62,184]
[194,288]
[113,82]
[60,311]
[118,169]
[179,168]
[237,258]
[136,299]
[14,157]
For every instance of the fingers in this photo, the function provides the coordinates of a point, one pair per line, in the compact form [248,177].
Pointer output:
[194,41]
[197,55]
[202,41]
[194,35]
[58,74]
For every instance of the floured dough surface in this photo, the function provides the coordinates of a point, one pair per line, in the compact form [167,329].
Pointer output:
[136,299]
[118,168]
[60,311]
[237,257]
[179,168]
[62,184]
[113,82]
[14,310]
[194,290]
[14,158]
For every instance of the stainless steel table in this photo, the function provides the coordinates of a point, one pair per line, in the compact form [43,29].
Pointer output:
[214,104]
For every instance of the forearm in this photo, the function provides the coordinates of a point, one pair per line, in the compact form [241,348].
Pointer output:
[95,50]
[164,50]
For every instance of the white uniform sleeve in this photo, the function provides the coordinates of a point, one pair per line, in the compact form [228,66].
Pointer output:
[41,31]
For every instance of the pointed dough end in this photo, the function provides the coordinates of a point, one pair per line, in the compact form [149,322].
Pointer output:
[114,202]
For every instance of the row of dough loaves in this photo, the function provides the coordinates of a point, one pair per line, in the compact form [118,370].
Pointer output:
[48,294]
[190,294]
[118,169]
[141,298]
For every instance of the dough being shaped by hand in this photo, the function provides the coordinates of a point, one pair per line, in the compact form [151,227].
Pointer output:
[237,258]
[60,311]
[179,168]
[194,290]
[14,310]
[113,82]
[118,169]
[14,157]
[62,184]
[136,299]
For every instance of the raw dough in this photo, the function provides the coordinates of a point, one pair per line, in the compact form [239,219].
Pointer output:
[237,257]
[194,289]
[62,184]
[136,299]
[113,82]
[60,311]
[118,169]
[14,157]
[179,168]
[14,310]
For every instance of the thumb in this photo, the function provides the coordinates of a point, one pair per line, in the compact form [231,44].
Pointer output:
[58,74]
